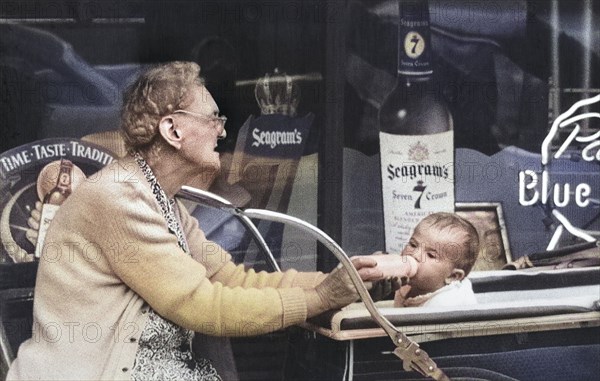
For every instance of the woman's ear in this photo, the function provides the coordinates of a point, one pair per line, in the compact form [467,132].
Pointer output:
[456,275]
[169,132]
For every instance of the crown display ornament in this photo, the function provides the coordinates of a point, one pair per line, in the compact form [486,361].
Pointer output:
[277,93]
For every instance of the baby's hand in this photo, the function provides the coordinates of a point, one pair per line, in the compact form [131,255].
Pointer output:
[380,289]
[401,295]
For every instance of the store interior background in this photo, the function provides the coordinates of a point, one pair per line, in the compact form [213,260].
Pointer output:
[495,63]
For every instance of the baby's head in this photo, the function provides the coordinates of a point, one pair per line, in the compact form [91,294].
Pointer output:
[446,246]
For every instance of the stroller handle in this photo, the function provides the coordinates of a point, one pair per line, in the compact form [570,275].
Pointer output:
[412,356]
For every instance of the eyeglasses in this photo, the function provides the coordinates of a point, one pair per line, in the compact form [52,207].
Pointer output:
[218,120]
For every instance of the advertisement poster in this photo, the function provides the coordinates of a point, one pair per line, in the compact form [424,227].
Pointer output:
[27,177]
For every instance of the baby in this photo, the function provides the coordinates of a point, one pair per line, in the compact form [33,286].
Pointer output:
[445,247]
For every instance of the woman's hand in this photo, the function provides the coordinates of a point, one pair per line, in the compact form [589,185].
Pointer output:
[366,266]
[387,277]
[337,289]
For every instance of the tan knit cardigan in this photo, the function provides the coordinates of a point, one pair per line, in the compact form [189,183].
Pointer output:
[108,256]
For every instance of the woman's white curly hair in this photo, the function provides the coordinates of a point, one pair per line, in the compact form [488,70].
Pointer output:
[156,93]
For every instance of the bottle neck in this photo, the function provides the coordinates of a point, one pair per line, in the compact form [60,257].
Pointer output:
[62,188]
[63,182]
[414,40]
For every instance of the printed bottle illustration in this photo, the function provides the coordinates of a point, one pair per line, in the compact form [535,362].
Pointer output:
[52,201]
[416,134]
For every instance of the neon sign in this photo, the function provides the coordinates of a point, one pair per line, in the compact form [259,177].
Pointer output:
[531,194]
[528,179]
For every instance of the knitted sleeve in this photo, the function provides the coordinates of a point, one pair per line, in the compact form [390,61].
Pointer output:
[220,267]
[150,262]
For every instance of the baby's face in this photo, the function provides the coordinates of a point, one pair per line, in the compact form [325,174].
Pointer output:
[436,251]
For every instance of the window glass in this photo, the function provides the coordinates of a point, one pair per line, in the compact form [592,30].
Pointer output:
[65,64]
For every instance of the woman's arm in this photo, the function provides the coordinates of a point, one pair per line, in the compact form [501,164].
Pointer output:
[220,267]
[175,285]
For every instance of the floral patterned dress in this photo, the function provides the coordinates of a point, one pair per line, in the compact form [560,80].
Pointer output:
[165,349]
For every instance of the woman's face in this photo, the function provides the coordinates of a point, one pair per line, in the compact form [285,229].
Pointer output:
[200,130]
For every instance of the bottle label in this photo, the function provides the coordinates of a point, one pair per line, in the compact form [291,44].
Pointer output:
[417,179]
[414,41]
[48,213]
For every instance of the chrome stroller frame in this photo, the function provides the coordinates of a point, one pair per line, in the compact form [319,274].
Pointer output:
[413,357]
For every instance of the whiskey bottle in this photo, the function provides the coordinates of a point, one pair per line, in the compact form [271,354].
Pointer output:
[415,134]
[52,201]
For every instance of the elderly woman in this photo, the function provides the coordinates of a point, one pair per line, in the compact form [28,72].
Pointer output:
[127,276]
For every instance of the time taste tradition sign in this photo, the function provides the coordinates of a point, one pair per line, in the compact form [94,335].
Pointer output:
[27,173]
